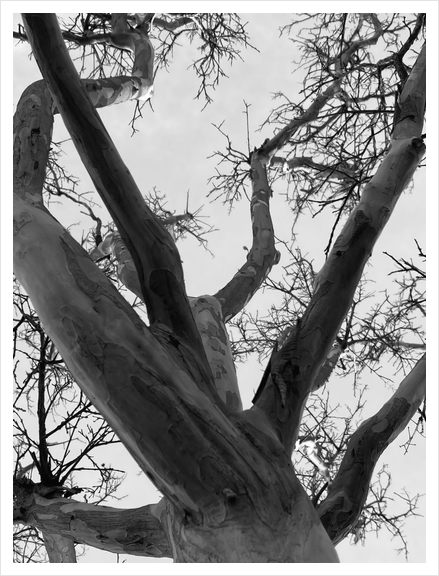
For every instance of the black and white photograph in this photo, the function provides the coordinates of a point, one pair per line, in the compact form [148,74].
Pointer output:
[219,254]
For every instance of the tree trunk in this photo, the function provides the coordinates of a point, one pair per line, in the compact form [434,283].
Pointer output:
[231,493]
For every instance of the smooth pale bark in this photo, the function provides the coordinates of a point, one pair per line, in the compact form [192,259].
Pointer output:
[60,549]
[108,92]
[348,492]
[295,537]
[321,378]
[33,124]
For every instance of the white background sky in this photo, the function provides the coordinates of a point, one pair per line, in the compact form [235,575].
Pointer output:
[170,152]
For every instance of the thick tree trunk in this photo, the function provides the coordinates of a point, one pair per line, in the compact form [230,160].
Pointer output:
[160,530]
[231,494]
[229,487]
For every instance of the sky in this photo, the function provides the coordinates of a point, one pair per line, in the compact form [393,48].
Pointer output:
[178,135]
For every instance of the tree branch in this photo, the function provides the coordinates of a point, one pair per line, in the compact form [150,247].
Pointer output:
[60,548]
[340,63]
[262,255]
[136,531]
[124,369]
[348,492]
[296,363]
[173,24]
[208,318]
[154,253]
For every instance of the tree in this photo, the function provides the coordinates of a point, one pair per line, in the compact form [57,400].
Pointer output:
[167,386]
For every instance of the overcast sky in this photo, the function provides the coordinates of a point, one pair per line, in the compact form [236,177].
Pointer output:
[170,152]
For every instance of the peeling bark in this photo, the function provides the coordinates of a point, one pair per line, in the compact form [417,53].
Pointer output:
[208,319]
[306,348]
[327,367]
[348,492]
[205,463]
[339,172]
[262,255]
[154,253]
[63,521]
[208,316]
[60,549]
[139,86]
[126,270]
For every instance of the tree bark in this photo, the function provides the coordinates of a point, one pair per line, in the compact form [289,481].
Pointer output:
[296,364]
[148,530]
[154,253]
[229,486]
[208,317]
[65,521]
[262,255]
[231,494]
[60,549]
[348,492]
